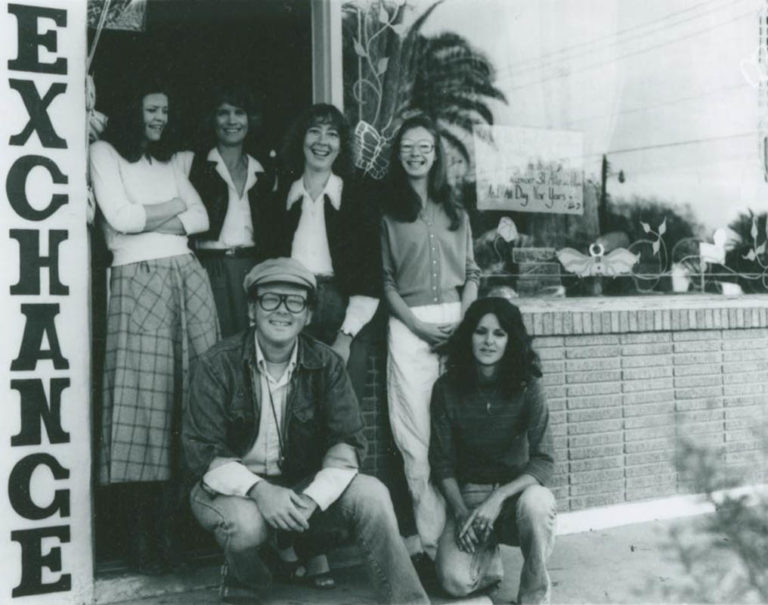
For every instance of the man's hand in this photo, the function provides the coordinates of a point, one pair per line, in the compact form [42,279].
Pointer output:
[308,506]
[341,345]
[281,507]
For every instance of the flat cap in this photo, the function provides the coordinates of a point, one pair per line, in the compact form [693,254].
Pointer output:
[280,270]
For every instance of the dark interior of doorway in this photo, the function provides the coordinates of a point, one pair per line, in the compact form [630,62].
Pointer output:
[193,44]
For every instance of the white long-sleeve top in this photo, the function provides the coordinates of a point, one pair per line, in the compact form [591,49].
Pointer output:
[122,189]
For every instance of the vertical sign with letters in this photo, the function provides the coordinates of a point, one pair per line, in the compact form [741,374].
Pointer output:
[45,457]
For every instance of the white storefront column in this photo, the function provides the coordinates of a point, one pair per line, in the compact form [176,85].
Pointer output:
[45,425]
[327,77]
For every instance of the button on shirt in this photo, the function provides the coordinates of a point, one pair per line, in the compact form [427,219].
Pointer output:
[424,261]
[231,477]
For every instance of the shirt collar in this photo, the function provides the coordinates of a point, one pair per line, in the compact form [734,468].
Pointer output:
[333,189]
[252,170]
[261,361]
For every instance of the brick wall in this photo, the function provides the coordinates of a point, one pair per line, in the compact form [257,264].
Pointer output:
[626,387]
[626,383]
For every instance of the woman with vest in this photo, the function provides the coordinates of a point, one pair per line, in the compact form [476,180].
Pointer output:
[233,186]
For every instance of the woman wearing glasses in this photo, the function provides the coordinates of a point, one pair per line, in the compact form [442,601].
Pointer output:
[322,218]
[430,278]
[161,317]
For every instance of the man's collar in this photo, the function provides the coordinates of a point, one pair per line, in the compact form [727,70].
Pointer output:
[306,357]
[261,361]
[333,189]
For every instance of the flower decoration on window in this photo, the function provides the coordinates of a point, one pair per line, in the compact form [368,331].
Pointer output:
[392,68]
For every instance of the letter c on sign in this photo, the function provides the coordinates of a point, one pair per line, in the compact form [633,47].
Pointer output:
[16,183]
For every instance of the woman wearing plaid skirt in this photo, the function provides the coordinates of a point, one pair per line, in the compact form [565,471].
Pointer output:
[161,317]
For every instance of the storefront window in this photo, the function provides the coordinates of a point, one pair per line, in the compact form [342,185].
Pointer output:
[601,148]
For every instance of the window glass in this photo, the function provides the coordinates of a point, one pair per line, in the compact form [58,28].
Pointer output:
[602,148]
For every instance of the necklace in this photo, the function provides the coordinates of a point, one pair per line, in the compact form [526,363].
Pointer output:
[489,397]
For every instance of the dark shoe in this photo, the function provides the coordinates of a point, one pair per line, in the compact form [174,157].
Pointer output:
[425,568]
[232,590]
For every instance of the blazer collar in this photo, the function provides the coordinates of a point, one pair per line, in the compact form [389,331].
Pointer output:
[332,191]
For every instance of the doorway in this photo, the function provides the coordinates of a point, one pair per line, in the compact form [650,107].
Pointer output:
[193,44]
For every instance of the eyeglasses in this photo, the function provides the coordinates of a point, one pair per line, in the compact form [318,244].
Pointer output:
[420,146]
[271,301]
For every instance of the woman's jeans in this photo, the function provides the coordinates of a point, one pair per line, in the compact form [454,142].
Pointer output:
[364,508]
[527,520]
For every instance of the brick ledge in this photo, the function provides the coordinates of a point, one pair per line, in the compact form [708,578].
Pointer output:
[619,315]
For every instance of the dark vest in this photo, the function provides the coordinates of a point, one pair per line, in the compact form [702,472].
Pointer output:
[215,195]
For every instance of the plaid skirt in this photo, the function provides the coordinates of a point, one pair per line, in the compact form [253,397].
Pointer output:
[161,318]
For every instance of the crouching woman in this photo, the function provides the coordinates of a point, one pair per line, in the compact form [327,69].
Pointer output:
[491,453]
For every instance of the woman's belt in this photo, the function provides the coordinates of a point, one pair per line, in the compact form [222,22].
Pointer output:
[237,252]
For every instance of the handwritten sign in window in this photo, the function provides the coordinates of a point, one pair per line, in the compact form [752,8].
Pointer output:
[529,170]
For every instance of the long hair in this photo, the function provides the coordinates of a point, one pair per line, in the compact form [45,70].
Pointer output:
[292,150]
[403,203]
[126,128]
[239,96]
[518,365]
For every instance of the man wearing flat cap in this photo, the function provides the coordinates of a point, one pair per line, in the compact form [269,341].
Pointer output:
[274,435]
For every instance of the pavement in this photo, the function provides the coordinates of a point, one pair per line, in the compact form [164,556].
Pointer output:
[627,564]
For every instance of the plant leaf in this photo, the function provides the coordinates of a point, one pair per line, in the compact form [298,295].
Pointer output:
[383,14]
[359,50]
[646,227]
[761,248]
[750,255]
[663,227]
[656,246]
[381,67]
[753,230]
[399,29]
